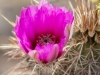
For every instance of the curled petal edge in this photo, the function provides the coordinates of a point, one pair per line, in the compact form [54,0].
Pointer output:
[54,53]
[34,55]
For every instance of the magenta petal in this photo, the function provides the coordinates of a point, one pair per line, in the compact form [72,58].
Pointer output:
[61,44]
[17,29]
[17,20]
[41,3]
[31,11]
[43,30]
[23,47]
[47,53]
[60,25]
[64,9]
[69,17]
[67,32]
[28,30]
[25,44]
[22,14]
[53,54]
[39,21]
[34,55]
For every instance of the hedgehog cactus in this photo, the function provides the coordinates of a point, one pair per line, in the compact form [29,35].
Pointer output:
[84,54]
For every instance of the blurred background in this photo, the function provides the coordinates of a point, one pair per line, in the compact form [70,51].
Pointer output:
[11,8]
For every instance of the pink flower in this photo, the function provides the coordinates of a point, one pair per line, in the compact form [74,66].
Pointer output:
[43,31]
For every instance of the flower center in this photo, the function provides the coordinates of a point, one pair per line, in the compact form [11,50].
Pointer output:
[44,39]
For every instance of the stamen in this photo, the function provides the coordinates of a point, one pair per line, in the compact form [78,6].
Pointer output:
[44,39]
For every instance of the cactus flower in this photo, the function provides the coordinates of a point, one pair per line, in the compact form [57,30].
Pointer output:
[43,30]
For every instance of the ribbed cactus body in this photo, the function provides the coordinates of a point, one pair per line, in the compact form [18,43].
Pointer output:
[85,43]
